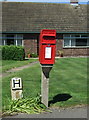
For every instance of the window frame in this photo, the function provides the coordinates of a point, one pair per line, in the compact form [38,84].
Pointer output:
[73,37]
[15,38]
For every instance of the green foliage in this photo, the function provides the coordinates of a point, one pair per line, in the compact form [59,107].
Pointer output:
[33,55]
[26,105]
[13,52]
[0,52]
[60,53]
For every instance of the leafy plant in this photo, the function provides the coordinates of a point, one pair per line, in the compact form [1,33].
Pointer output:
[26,105]
[34,55]
[60,53]
[28,51]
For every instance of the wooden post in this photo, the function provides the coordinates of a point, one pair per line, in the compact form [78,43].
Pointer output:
[45,84]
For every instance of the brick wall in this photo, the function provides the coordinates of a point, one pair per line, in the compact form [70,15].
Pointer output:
[76,51]
[59,43]
[30,43]
[59,46]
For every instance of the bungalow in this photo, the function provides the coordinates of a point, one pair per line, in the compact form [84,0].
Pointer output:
[22,22]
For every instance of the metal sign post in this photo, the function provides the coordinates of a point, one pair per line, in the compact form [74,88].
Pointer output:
[45,83]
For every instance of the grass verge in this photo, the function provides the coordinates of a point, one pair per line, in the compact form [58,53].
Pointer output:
[67,85]
[8,64]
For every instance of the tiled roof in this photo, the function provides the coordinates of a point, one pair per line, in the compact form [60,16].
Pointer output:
[32,17]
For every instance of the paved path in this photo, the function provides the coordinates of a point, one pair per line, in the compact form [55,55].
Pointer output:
[17,69]
[22,67]
[76,112]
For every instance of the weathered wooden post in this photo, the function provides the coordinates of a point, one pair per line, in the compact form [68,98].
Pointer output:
[45,83]
[16,88]
[47,50]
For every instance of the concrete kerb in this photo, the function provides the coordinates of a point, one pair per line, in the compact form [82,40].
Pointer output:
[64,57]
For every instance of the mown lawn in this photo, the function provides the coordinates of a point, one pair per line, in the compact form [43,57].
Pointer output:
[68,82]
[8,64]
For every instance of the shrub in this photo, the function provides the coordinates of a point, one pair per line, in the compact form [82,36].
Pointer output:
[33,55]
[13,52]
[25,105]
[0,52]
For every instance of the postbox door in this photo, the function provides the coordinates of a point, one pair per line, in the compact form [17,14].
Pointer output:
[47,54]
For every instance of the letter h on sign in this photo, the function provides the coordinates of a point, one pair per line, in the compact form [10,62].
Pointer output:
[16,83]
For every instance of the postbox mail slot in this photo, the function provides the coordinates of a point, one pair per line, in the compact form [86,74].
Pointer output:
[48,40]
[49,37]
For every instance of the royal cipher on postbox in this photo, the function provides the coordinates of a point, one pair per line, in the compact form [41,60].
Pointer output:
[47,46]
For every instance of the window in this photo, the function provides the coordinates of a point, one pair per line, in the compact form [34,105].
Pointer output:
[76,40]
[12,39]
[18,38]
[67,42]
[81,42]
[88,42]
[2,40]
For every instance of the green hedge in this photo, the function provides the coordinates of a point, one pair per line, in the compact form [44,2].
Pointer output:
[12,52]
[0,52]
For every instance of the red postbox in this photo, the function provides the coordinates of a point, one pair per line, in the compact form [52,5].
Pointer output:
[47,46]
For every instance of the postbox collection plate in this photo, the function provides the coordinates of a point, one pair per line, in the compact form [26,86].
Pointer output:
[48,52]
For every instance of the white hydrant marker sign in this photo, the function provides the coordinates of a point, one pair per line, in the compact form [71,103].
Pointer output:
[16,88]
[16,83]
